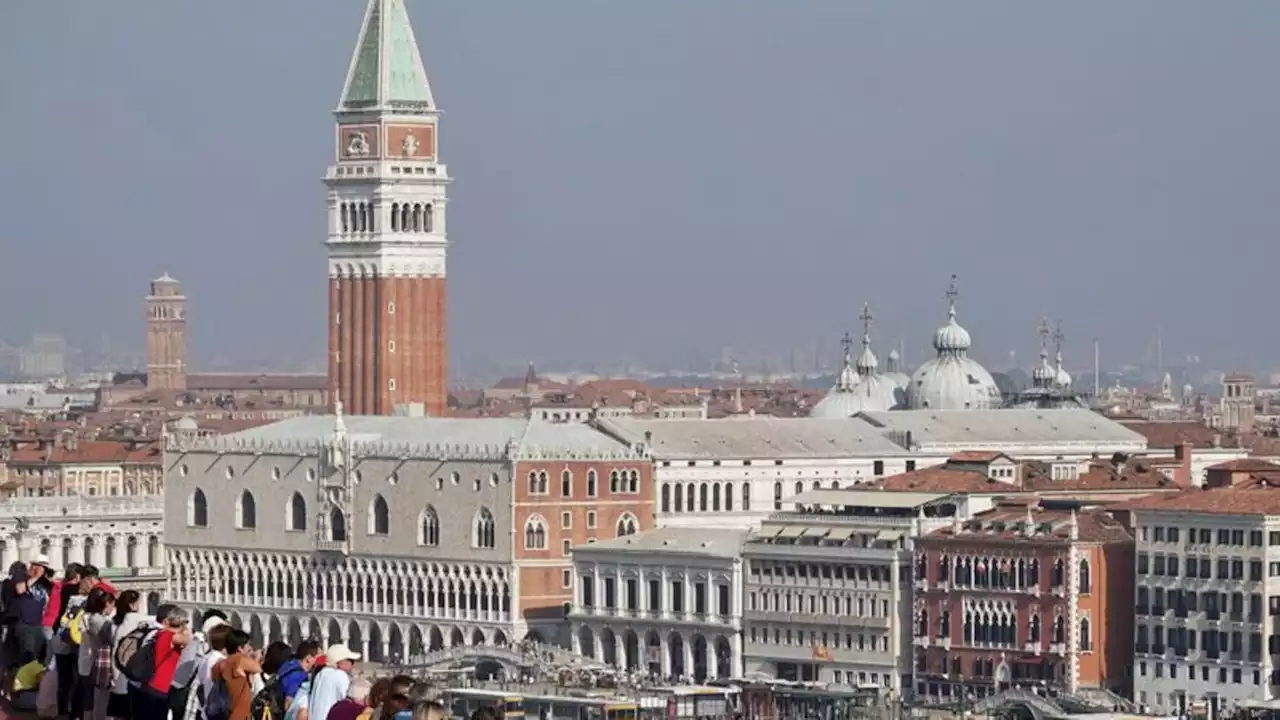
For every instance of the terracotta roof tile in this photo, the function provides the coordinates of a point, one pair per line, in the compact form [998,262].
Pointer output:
[1007,523]
[1258,497]
[1246,465]
[1162,435]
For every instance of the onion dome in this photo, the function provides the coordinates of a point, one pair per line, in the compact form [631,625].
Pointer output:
[894,371]
[952,380]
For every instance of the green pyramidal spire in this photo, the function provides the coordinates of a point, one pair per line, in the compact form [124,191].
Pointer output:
[386,70]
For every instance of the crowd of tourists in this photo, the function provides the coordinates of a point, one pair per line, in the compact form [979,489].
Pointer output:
[76,647]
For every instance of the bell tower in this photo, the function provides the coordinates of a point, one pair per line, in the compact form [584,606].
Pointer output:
[387,242]
[166,335]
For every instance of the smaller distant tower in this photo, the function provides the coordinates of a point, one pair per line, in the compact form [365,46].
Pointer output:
[1238,396]
[166,335]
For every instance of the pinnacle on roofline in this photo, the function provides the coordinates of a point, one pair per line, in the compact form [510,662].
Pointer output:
[386,71]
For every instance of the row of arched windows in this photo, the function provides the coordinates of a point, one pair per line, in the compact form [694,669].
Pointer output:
[412,217]
[1002,573]
[620,482]
[536,534]
[1000,627]
[483,527]
[356,216]
[703,497]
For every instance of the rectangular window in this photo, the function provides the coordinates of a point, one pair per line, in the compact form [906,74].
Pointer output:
[566,520]
[610,593]
[677,596]
[1255,538]
[591,519]
[566,547]
[700,598]
[878,468]
[723,600]
[588,591]
[655,595]
[566,579]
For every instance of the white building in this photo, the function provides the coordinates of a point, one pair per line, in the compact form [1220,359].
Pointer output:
[827,588]
[667,602]
[734,473]
[120,535]
[1207,591]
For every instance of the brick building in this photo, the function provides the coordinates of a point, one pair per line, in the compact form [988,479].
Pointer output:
[1023,595]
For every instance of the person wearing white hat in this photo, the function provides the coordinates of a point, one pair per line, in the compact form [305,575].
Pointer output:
[331,684]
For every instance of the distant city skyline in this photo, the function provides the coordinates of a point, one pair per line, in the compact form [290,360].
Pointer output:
[628,209]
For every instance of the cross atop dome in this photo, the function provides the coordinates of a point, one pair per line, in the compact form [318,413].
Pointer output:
[1044,337]
[866,318]
[846,342]
[1058,337]
[952,293]
[386,72]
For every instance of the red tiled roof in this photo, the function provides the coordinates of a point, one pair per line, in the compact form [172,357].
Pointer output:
[1091,525]
[228,382]
[1163,435]
[1246,465]
[86,452]
[1258,497]
[942,479]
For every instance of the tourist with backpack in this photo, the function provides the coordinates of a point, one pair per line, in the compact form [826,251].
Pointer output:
[127,620]
[278,695]
[231,695]
[184,696]
[156,662]
[94,668]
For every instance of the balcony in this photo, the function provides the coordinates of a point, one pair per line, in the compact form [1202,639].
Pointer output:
[38,508]
[1031,647]
[336,546]
[920,641]
[1057,649]
[851,621]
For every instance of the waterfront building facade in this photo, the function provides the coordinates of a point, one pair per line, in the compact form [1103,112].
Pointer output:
[1023,595]
[667,603]
[397,535]
[1207,579]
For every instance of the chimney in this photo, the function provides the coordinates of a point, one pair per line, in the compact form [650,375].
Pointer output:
[1182,477]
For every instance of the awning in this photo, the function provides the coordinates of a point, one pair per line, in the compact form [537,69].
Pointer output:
[792,531]
[840,533]
[891,535]
[767,530]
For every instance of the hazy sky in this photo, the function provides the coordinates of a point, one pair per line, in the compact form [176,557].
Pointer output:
[653,180]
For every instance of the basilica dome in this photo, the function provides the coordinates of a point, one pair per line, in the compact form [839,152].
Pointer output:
[839,402]
[893,370]
[952,380]
[866,390]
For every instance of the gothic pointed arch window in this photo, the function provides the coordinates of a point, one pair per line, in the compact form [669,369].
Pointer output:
[404,217]
[566,483]
[484,532]
[1059,630]
[592,483]
[337,526]
[922,623]
[1033,629]
[614,486]
[633,481]
[1058,574]
[627,525]
[428,218]
[379,516]
[246,511]
[297,519]
[198,509]
[395,217]
[430,528]
[535,533]
[1086,639]
[746,496]
[417,217]
[342,212]
[1086,578]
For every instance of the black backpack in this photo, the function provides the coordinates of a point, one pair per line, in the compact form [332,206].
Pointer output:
[268,704]
[135,655]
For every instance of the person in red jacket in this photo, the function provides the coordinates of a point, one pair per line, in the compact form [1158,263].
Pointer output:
[175,634]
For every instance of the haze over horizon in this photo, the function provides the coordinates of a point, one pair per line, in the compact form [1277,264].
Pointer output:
[649,182]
